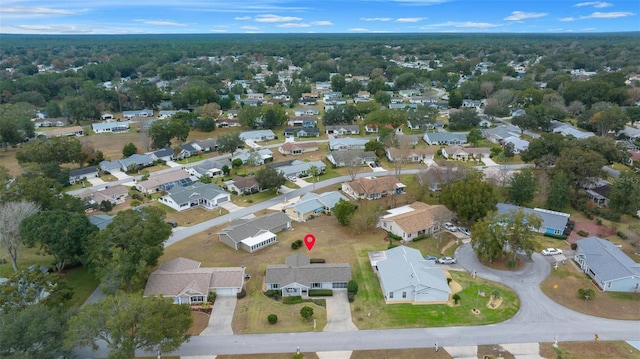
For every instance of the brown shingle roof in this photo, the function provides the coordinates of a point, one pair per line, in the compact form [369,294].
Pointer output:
[374,185]
[423,216]
[288,146]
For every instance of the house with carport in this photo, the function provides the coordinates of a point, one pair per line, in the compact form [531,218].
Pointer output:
[297,148]
[297,276]
[608,266]
[415,220]
[312,205]
[255,233]
[208,196]
[406,277]
[81,174]
[185,282]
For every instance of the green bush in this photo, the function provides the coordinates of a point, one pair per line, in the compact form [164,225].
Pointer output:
[211,297]
[456,298]
[556,236]
[574,246]
[296,244]
[292,300]
[622,235]
[320,292]
[352,287]
[582,233]
[272,293]
[391,235]
[306,312]
[272,318]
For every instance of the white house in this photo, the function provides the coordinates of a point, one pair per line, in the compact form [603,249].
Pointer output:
[406,277]
[207,196]
[312,205]
[258,135]
[297,276]
[347,143]
[445,138]
[110,127]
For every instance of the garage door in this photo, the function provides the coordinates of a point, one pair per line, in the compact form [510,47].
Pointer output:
[222,200]
[226,292]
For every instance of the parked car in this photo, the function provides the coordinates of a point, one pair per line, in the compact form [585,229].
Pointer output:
[551,251]
[292,178]
[378,164]
[173,224]
[447,260]
[431,257]
[464,230]
[450,227]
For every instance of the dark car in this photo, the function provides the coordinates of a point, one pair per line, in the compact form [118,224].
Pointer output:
[173,224]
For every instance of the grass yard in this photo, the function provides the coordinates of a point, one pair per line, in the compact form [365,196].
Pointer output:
[200,322]
[589,350]
[251,199]
[26,258]
[336,244]
[9,161]
[563,284]
[83,282]
[191,216]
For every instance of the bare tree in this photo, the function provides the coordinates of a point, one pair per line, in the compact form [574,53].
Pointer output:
[11,215]
[353,165]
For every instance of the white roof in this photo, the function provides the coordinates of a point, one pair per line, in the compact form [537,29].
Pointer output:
[258,238]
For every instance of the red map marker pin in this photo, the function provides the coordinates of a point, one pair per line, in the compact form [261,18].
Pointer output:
[309,240]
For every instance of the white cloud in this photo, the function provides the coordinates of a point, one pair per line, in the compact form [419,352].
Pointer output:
[160,22]
[322,23]
[56,29]
[410,19]
[568,19]
[249,27]
[359,29]
[607,15]
[291,25]
[464,24]
[520,15]
[588,29]
[596,4]
[23,11]
[218,31]
[275,18]
[242,18]
[376,19]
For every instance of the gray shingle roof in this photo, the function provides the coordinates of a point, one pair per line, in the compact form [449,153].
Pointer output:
[244,228]
[606,260]
[298,270]
[83,171]
[550,219]
[311,201]
[197,190]
[405,267]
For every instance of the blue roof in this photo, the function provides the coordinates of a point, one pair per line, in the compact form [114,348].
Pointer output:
[136,159]
[311,201]
[550,219]
[405,267]
[436,137]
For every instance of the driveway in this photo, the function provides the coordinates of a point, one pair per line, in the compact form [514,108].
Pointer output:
[120,175]
[221,316]
[339,313]
[488,161]
[230,206]
[96,181]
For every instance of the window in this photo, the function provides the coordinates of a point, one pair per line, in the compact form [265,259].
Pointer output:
[390,295]
[197,299]
[316,285]
[275,286]
[404,294]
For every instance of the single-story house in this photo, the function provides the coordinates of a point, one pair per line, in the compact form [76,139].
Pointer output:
[445,138]
[242,185]
[49,122]
[552,222]
[410,155]
[259,156]
[600,194]
[372,187]
[137,113]
[307,111]
[311,205]
[208,196]
[519,144]
[65,131]
[114,194]
[186,151]
[101,220]
[164,154]
[465,153]
[303,121]
[297,276]
[302,132]
[81,174]
[162,114]
[211,168]
[342,130]
[298,168]
[609,267]
[347,143]
[106,116]
[371,128]
[165,181]
[227,122]
[110,127]
[255,233]
[297,148]
[415,220]
[135,161]
[208,145]
[351,158]
[186,282]
[257,135]
[406,277]
[500,133]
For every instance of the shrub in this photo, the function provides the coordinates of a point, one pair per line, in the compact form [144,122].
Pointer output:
[296,244]
[586,293]
[574,246]
[449,280]
[391,235]
[272,293]
[292,300]
[598,222]
[352,287]
[582,233]
[456,298]
[556,236]
[241,294]
[306,312]
[622,235]
[211,297]
[272,318]
[321,292]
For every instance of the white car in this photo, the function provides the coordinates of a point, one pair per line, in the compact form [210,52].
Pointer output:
[551,251]
[465,231]
[450,227]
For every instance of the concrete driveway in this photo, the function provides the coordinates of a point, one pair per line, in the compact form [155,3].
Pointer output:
[221,316]
[339,313]
[95,181]
[120,175]
[230,206]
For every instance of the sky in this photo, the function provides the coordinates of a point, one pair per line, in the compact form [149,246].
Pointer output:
[319,16]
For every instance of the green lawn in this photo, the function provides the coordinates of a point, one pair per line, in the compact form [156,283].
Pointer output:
[245,200]
[83,283]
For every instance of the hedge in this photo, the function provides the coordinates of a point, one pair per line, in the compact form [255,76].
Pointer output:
[292,300]
[391,235]
[320,292]
[556,236]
